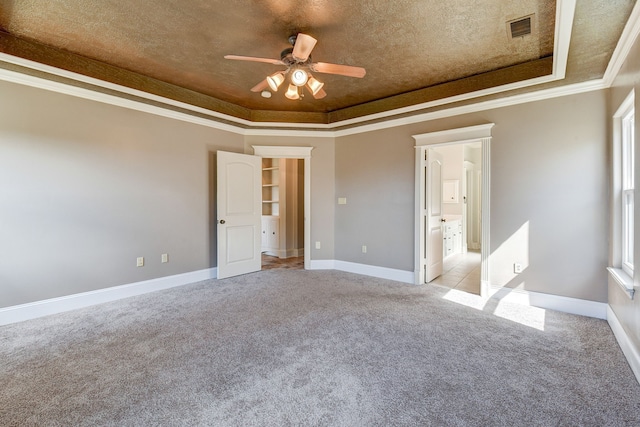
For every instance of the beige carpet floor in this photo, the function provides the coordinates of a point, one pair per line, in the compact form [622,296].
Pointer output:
[313,348]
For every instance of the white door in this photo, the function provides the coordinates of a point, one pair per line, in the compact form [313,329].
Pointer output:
[433,215]
[239,213]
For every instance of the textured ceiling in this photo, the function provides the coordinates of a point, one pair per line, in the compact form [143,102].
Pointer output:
[413,50]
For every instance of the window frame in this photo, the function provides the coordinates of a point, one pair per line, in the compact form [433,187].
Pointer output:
[627,190]
[623,193]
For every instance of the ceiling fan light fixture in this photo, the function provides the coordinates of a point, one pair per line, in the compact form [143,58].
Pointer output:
[292,92]
[275,80]
[314,85]
[299,66]
[299,77]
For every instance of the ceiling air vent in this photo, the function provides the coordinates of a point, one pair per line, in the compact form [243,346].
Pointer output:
[520,27]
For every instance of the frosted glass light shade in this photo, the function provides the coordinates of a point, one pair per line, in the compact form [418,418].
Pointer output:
[275,80]
[314,85]
[299,77]
[292,92]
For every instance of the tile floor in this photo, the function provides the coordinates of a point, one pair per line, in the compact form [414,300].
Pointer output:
[461,272]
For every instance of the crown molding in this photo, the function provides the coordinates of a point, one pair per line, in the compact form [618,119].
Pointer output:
[478,106]
[627,39]
[565,11]
[94,95]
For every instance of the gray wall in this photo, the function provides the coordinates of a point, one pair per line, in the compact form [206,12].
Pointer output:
[549,179]
[88,187]
[627,310]
[375,173]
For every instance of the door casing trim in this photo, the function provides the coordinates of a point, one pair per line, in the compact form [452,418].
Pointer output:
[479,133]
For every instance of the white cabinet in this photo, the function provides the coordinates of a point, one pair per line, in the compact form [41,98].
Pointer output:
[270,234]
[452,235]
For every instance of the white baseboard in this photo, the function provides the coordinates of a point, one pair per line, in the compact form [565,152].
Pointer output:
[18,313]
[364,269]
[628,349]
[551,302]
[374,271]
[321,264]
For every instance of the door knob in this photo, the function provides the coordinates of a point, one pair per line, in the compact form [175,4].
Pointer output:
[222,221]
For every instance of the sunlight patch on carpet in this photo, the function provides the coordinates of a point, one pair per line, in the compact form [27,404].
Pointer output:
[532,317]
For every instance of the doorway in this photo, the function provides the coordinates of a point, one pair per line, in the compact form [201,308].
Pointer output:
[303,157]
[282,243]
[456,193]
[461,215]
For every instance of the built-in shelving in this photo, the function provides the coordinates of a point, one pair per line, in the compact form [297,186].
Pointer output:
[270,187]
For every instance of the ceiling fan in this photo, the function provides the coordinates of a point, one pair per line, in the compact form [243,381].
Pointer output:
[297,59]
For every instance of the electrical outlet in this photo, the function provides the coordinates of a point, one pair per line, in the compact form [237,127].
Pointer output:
[317,245]
[165,258]
[140,262]
[517,268]
[364,249]
[342,200]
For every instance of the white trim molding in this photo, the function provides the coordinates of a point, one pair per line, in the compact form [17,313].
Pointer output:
[625,43]
[623,280]
[282,151]
[628,349]
[321,264]
[375,271]
[33,310]
[577,306]
[455,136]
[363,269]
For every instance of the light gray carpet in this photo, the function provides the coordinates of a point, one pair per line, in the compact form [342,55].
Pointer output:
[313,348]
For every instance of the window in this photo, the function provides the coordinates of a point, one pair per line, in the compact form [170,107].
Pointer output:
[623,228]
[627,137]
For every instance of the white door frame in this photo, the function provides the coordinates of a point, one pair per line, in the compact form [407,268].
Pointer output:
[482,134]
[285,152]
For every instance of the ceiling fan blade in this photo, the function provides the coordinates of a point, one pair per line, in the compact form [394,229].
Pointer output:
[303,47]
[260,86]
[254,59]
[343,70]
[321,94]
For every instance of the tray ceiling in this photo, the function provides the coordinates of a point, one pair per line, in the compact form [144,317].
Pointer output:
[414,51]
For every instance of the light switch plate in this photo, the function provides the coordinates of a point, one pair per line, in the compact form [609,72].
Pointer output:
[342,200]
